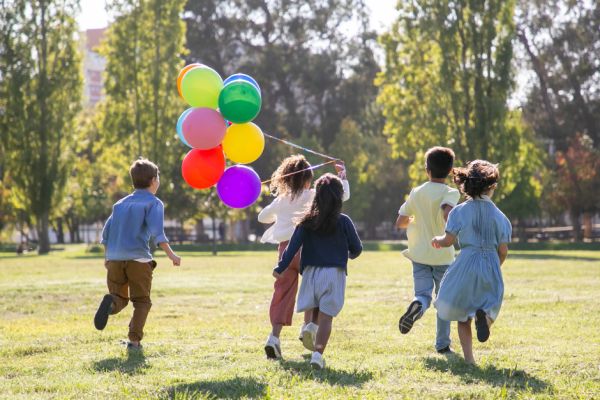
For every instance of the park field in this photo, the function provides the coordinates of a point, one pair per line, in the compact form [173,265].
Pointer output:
[206,331]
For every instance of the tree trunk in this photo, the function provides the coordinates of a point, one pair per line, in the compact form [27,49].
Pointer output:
[199,231]
[575,214]
[43,237]
[214,235]
[587,225]
[60,233]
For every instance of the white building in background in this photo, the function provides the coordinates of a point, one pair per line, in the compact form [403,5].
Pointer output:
[93,66]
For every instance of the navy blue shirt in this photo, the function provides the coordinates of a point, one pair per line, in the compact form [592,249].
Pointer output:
[135,220]
[323,250]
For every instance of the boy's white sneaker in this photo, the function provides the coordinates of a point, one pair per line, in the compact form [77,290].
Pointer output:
[317,361]
[309,335]
[273,348]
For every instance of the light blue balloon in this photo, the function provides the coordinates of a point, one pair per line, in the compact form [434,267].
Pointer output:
[180,126]
[244,77]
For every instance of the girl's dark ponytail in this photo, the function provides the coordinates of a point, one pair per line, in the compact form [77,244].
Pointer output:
[476,178]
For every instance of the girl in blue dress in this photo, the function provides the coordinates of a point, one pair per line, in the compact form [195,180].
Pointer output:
[472,286]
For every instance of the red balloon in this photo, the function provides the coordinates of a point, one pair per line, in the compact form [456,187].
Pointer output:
[202,169]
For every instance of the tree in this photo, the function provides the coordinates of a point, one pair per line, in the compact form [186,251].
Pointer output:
[563,102]
[144,49]
[41,79]
[563,56]
[446,82]
[312,73]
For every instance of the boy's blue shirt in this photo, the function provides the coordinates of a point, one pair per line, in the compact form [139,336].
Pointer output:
[135,220]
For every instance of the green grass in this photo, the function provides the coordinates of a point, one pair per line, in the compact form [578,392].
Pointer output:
[205,333]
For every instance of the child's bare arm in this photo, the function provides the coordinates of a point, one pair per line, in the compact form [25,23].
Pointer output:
[443,241]
[446,208]
[172,256]
[502,252]
[402,221]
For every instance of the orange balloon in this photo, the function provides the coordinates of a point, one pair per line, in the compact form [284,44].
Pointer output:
[182,73]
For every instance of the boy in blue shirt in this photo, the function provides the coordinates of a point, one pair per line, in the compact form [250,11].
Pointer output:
[135,220]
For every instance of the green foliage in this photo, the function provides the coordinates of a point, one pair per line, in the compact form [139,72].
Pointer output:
[42,82]
[563,100]
[447,79]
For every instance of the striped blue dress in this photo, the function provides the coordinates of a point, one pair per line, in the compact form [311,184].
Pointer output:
[474,280]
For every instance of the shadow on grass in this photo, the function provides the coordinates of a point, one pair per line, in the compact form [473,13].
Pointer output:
[235,388]
[544,256]
[135,363]
[328,375]
[516,379]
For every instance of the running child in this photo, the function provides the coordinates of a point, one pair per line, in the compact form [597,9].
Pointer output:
[135,220]
[424,213]
[291,185]
[473,285]
[327,238]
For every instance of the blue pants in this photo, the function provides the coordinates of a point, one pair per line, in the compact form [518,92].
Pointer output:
[425,277]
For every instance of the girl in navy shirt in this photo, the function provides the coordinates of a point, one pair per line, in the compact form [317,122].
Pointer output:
[327,238]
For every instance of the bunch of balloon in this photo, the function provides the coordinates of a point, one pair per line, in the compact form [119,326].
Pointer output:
[219,124]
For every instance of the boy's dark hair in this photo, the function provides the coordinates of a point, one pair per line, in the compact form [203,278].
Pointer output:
[285,181]
[142,171]
[439,161]
[476,178]
[325,209]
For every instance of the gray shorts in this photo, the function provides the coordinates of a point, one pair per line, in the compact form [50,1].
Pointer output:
[322,287]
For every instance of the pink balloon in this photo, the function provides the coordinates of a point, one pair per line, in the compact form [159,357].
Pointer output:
[204,128]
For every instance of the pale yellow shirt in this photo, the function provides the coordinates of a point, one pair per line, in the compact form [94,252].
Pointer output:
[424,204]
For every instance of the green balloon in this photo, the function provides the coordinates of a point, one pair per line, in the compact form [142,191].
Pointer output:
[239,101]
[201,86]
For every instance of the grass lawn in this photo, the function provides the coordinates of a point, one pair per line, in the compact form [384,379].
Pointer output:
[206,331]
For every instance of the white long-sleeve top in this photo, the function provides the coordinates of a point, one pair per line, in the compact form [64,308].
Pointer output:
[283,211]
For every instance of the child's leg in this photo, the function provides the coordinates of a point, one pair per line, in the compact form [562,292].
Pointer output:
[116,280]
[423,281]
[284,295]
[140,282]
[325,323]
[312,316]
[423,276]
[466,340]
[442,339]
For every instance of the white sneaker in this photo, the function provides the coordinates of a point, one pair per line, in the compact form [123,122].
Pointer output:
[317,361]
[273,347]
[301,334]
[309,335]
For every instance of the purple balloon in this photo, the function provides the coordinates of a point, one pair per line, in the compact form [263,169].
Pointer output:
[203,128]
[239,187]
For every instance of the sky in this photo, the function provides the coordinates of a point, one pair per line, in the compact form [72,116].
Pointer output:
[93,15]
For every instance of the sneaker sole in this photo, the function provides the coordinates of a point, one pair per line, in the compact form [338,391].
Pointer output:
[271,353]
[483,330]
[408,319]
[308,340]
[101,317]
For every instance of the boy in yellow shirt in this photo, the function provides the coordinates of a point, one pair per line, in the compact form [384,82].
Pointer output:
[424,214]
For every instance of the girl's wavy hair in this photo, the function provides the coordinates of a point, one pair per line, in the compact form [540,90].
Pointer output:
[476,178]
[326,207]
[284,184]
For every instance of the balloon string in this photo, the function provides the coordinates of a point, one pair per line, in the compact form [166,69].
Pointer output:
[300,147]
[302,170]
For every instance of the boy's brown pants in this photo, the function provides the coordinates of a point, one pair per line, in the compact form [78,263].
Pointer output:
[131,279]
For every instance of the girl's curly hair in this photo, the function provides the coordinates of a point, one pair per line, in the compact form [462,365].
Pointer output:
[476,178]
[325,209]
[284,184]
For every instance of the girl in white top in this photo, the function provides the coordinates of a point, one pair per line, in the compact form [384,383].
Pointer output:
[291,184]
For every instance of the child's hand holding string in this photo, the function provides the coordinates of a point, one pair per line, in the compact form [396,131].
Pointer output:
[340,168]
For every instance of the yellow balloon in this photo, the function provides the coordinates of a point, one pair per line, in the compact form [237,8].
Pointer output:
[243,143]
